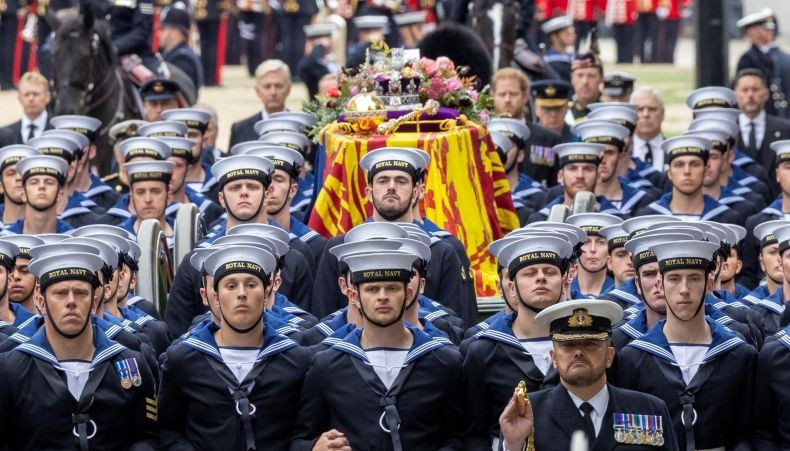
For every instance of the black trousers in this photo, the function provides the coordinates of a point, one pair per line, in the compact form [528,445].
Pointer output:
[647,37]
[251,25]
[233,42]
[209,31]
[624,38]
[667,39]
[8,30]
[292,39]
[582,29]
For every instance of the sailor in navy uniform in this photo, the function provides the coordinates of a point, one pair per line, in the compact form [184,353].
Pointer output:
[299,142]
[735,264]
[237,381]
[8,315]
[392,173]
[13,206]
[772,307]
[584,400]
[698,367]
[100,394]
[767,254]
[618,86]
[591,269]
[42,195]
[150,199]
[197,123]
[619,262]
[21,282]
[615,139]
[578,164]
[318,60]
[771,427]
[510,137]
[515,347]
[387,385]
[687,156]
[561,37]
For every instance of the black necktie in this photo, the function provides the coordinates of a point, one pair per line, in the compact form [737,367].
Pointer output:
[589,428]
[649,154]
[752,139]
[31,129]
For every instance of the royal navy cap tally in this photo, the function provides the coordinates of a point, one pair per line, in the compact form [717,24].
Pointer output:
[599,131]
[56,146]
[142,147]
[580,319]
[765,231]
[240,167]
[8,253]
[551,93]
[74,266]
[574,152]
[513,128]
[781,148]
[266,126]
[84,125]
[534,250]
[616,83]
[24,243]
[12,154]
[192,117]
[580,235]
[82,141]
[277,234]
[126,129]
[160,129]
[622,115]
[43,165]
[410,18]
[403,159]
[380,266]
[370,22]
[765,18]
[592,223]
[318,30]
[782,235]
[306,119]
[180,147]
[615,236]
[639,247]
[294,140]
[638,225]
[374,231]
[685,145]
[556,24]
[107,251]
[711,97]
[240,259]
[284,159]
[159,89]
[92,229]
[148,171]
[684,254]
[495,248]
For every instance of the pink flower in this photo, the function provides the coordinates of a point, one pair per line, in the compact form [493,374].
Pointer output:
[472,95]
[444,63]
[353,91]
[453,84]
[484,116]
[428,66]
[436,90]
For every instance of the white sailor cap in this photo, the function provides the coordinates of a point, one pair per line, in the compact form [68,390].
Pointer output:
[341,251]
[534,250]
[139,147]
[73,266]
[638,225]
[615,235]
[370,22]
[410,18]
[280,237]
[420,236]
[84,125]
[578,152]
[245,147]
[270,244]
[416,248]
[600,105]
[639,247]
[306,119]
[567,235]
[600,131]
[718,138]
[238,167]
[580,319]
[411,161]
[684,254]
[52,238]
[318,30]
[283,158]
[617,83]
[738,232]
[765,231]
[47,250]
[513,128]
[556,24]
[100,228]
[82,141]
[161,129]
[192,117]
[24,243]
[725,234]
[180,147]
[696,229]
[240,259]
[719,114]
[148,171]
[380,266]
[374,230]
[765,18]
[107,251]
[592,223]
[125,130]
[625,116]
[294,140]
[715,123]
[572,230]
[8,253]
[782,235]
[266,126]
[43,165]
[12,154]
[711,97]
[199,256]
[684,145]
[781,148]
[120,244]
[410,227]
[56,146]
[501,141]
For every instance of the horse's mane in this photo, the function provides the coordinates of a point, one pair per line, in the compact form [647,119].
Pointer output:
[73,24]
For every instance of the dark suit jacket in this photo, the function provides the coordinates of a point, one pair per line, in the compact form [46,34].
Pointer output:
[557,418]
[244,130]
[776,129]
[16,131]
[6,137]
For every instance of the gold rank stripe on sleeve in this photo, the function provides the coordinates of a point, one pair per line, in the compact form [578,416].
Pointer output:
[151,411]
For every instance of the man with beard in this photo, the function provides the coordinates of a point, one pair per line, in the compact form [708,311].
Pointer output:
[392,174]
[514,347]
[43,179]
[587,80]
[578,164]
[687,157]
[619,261]
[591,279]
[697,366]
[8,316]
[238,380]
[13,207]
[148,182]
[197,123]
[101,394]
[584,400]
[385,385]
[614,156]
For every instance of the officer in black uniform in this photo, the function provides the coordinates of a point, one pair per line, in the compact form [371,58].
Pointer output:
[291,20]
[9,24]
[209,15]
[174,45]
[618,86]
[99,393]
[550,105]
[318,60]
[159,95]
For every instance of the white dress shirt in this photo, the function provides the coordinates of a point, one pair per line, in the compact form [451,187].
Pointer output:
[599,402]
[40,122]
[639,147]
[744,123]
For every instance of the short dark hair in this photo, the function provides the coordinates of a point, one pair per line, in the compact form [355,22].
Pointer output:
[749,72]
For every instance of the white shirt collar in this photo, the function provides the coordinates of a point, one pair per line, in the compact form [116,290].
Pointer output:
[599,402]
[40,122]
[743,120]
[766,48]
